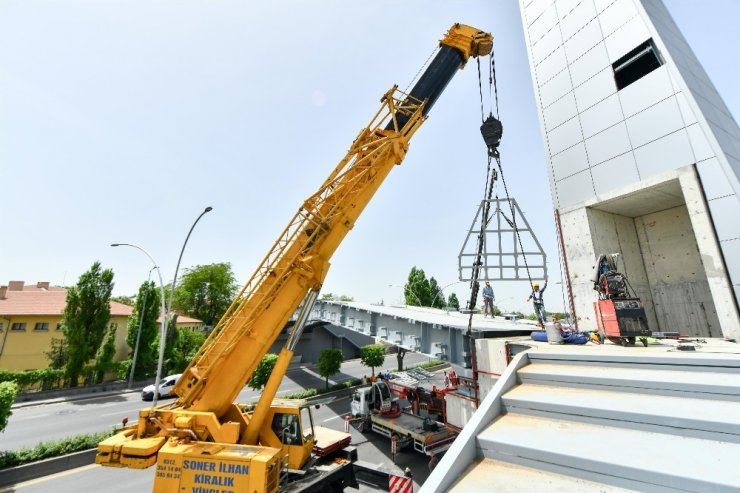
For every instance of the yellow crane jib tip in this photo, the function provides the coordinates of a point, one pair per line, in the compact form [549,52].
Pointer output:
[471,41]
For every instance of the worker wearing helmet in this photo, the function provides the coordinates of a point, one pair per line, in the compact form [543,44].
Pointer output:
[488,300]
[539,303]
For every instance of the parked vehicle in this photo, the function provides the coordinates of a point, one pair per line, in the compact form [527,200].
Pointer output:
[166,388]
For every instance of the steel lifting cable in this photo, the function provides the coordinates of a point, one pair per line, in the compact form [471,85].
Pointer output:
[492,82]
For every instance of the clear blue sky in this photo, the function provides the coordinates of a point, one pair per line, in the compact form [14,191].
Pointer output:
[121,120]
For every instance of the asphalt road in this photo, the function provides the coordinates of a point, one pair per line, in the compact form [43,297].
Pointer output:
[372,448]
[33,424]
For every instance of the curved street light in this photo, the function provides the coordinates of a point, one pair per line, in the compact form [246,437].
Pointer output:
[182,250]
[162,332]
[407,290]
[138,332]
[441,291]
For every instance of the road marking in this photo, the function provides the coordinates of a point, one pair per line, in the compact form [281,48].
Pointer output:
[117,413]
[51,477]
[26,418]
[335,417]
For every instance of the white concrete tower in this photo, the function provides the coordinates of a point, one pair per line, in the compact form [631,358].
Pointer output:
[643,159]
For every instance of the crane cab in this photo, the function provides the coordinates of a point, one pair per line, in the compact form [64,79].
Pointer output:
[291,429]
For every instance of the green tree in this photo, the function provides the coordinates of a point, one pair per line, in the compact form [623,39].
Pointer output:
[8,391]
[148,301]
[106,354]
[329,363]
[420,291]
[205,292]
[57,353]
[85,318]
[416,290]
[182,349]
[335,297]
[438,298]
[453,302]
[125,300]
[262,372]
[372,355]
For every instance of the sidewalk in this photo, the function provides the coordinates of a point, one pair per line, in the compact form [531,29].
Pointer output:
[44,397]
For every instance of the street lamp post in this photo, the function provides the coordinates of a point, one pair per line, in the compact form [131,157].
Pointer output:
[138,332]
[441,291]
[162,328]
[182,250]
[406,290]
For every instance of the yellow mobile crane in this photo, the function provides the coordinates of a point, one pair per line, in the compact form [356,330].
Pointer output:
[205,442]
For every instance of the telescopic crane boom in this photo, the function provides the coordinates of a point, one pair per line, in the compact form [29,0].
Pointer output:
[204,422]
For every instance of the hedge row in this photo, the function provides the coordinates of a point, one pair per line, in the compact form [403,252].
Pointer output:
[54,448]
[30,377]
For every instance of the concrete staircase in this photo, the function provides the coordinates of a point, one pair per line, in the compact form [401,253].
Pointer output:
[595,421]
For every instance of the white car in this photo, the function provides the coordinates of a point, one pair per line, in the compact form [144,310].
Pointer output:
[166,387]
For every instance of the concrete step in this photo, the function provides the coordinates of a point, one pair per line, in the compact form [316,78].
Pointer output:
[503,477]
[700,418]
[688,383]
[615,455]
[651,357]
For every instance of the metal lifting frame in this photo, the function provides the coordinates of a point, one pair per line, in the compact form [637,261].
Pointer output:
[507,265]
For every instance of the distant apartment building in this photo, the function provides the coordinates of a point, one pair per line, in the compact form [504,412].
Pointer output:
[31,316]
[643,159]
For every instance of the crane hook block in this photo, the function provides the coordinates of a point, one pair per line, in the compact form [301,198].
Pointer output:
[492,130]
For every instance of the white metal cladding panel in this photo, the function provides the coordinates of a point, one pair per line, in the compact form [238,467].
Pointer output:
[575,189]
[729,144]
[566,135]
[565,6]
[735,165]
[560,111]
[589,64]
[618,14]
[569,162]
[535,9]
[725,214]
[687,113]
[544,23]
[555,88]
[551,66]
[626,38]
[571,21]
[668,153]
[615,173]
[653,123]
[729,125]
[545,46]
[608,144]
[601,116]
[602,4]
[653,87]
[731,253]
[714,181]
[596,89]
[583,40]
[699,143]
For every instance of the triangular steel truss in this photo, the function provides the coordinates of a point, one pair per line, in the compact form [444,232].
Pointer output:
[502,258]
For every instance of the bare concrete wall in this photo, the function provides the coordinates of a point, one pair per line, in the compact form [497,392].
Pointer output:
[614,233]
[579,251]
[679,287]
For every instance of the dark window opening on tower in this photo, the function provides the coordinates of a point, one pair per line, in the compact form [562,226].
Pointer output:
[636,64]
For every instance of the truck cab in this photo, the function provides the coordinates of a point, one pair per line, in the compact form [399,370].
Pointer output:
[376,399]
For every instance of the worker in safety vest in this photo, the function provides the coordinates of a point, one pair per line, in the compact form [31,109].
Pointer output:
[539,303]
